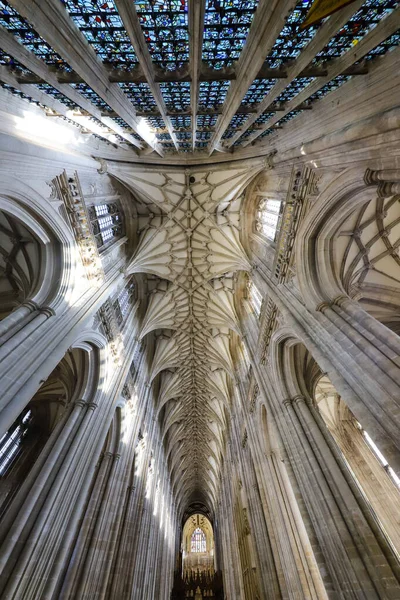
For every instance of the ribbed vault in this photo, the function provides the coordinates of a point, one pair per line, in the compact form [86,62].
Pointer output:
[190,248]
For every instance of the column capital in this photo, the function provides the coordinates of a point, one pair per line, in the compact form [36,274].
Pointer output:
[30,305]
[81,403]
[299,398]
[47,311]
[92,405]
[287,402]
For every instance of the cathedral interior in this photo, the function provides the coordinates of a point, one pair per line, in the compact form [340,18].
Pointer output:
[200,299]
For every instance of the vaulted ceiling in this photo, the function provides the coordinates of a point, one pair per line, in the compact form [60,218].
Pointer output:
[185,76]
[190,250]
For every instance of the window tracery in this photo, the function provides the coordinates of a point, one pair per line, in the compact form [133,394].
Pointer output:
[12,440]
[198,541]
[124,300]
[255,297]
[378,454]
[267,217]
[106,222]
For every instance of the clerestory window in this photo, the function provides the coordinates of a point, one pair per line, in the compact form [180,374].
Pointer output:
[125,299]
[369,441]
[106,222]
[12,440]
[267,217]
[255,298]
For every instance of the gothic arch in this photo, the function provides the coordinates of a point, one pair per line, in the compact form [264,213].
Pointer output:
[316,274]
[52,269]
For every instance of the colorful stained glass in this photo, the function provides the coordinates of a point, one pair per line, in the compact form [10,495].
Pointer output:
[176,95]
[370,13]
[291,40]
[91,95]
[329,87]
[212,93]
[227,24]
[203,136]
[140,96]
[165,29]
[198,541]
[294,88]
[49,89]
[103,28]
[183,135]
[26,35]
[257,91]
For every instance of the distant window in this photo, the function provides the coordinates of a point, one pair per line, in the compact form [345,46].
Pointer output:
[380,457]
[11,442]
[124,301]
[198,541]
[106,221]
[255,298]
[267,218]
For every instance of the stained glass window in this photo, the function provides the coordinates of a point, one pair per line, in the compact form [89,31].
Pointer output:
[103,28]
[257,91]
[227,23]
[125,299]
[106,222]
[267,217]
[212,93]
[369,15]
[176,95]
[12,440]
[198,541]
[165,29]
[140,96]
[91,95]
[26,35]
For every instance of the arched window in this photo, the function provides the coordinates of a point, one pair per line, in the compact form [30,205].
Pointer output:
[255,297]
[125,299]
[371,444]
[12,441]
[106,222]
[267,217]
[198,541]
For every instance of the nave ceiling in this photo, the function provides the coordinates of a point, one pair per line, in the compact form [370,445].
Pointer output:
[190,249]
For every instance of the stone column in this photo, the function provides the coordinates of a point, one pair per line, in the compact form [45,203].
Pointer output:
[357,565]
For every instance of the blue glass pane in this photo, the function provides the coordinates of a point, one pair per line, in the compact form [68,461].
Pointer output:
[176,95]
[140,96]
[27,36]
[360,23]
[203,136]
[165,28]
[49,89]
[294,88]
[329,87]
[227,23]
[204,121]
[102,26]
[291,40]
[91,95]
[257,91]
[181,121]
[155,123]
[212,93]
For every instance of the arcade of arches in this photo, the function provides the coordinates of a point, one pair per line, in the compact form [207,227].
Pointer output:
[199,301]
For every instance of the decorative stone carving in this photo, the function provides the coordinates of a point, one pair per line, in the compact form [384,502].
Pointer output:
[69,190]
